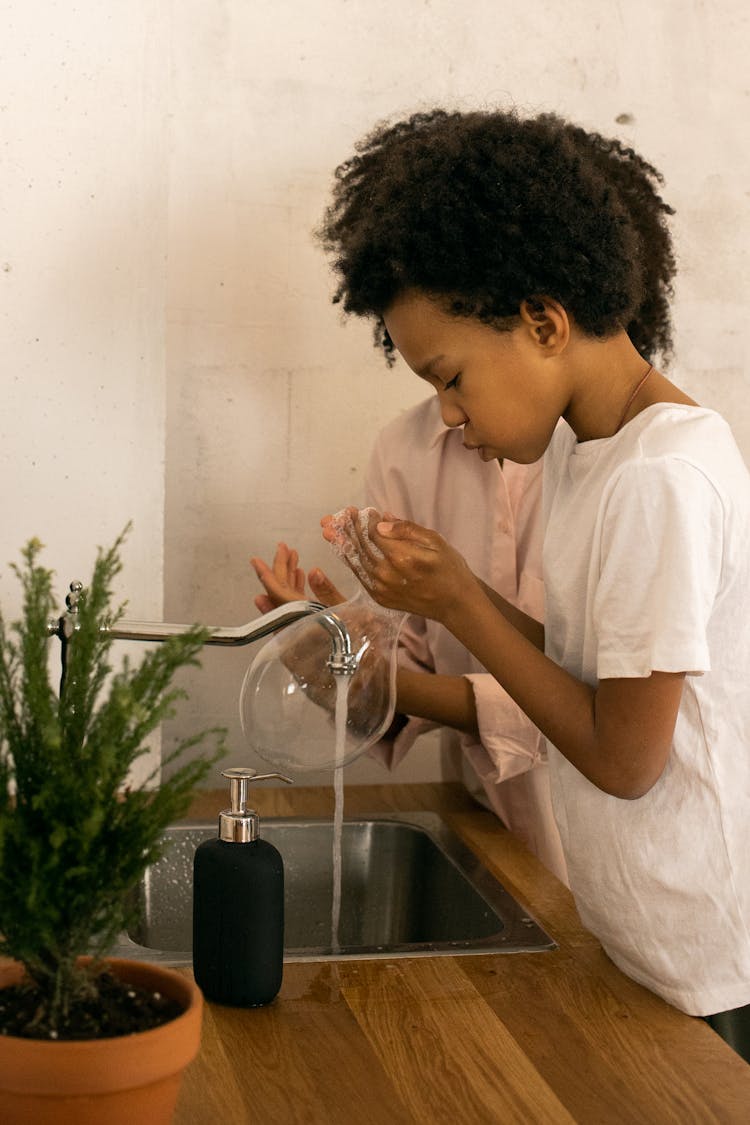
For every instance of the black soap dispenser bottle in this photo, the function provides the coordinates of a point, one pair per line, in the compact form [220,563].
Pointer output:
[238,905]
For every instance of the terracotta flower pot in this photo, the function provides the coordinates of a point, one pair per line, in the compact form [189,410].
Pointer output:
[127,1080]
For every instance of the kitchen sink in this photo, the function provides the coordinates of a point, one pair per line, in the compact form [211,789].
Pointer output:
[410,888]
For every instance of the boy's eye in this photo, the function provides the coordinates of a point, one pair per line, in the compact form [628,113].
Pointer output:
[453,382]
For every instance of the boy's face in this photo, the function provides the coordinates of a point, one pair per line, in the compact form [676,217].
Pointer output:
[497,385]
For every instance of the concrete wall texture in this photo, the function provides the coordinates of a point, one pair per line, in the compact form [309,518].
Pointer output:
[170,351]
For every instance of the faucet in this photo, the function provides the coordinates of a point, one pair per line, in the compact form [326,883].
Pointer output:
[342,661]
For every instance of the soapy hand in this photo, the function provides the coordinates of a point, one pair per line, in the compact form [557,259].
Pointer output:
[284,581]
[402,565]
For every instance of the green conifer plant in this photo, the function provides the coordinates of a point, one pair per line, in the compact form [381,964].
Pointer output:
[75,838]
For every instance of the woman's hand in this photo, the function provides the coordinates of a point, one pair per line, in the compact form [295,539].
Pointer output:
[285,581]
[402,565]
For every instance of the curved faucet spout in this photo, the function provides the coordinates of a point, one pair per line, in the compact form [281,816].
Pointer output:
[231,635]
[342,660]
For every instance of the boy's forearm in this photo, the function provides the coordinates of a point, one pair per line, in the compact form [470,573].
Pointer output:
[532,629]
[617,734]
[448,700]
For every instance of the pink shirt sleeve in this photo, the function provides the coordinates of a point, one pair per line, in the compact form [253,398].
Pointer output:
[507,736]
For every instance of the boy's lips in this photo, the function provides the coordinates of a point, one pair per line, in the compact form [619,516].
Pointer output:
[484,452]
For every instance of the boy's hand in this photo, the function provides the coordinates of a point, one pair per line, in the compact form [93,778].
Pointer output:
[285,581]
[412,568]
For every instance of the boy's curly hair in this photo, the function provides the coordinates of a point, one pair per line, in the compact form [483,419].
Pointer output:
[486,209]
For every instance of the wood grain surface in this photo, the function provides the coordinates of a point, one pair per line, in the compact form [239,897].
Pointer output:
[559,1037]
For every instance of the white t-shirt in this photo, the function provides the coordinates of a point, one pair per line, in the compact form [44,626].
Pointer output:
[647,568]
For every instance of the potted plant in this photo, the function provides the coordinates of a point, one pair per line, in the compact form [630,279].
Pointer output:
[77,1033]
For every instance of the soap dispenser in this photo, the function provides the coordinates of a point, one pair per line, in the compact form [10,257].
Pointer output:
[238,905]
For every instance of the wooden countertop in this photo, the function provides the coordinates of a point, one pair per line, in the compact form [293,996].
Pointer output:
[560,1036]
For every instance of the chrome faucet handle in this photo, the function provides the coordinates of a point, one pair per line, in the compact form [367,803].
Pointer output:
[71,600]
[65,626]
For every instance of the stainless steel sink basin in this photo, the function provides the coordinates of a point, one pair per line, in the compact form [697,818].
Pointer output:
[410,888]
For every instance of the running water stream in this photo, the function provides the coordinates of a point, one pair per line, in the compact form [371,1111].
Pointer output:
[340,535]
[342,692]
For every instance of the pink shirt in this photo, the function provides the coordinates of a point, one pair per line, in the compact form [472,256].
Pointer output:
[419,470]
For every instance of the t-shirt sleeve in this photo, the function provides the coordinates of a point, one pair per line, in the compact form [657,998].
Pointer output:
[659,570]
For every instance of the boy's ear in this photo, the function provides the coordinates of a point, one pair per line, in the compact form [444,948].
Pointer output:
[547,322]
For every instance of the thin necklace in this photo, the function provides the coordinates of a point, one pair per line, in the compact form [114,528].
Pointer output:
[632,398]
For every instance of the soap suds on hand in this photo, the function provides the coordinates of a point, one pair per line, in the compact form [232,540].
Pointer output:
[343,546]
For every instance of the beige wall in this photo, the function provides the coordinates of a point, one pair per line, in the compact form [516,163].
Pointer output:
[180,154]
[273,403]
[83,247]
[83,244]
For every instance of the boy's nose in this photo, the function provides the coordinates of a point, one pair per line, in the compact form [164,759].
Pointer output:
[451,413]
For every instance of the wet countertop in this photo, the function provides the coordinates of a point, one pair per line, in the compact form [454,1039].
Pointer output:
[560,1036]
